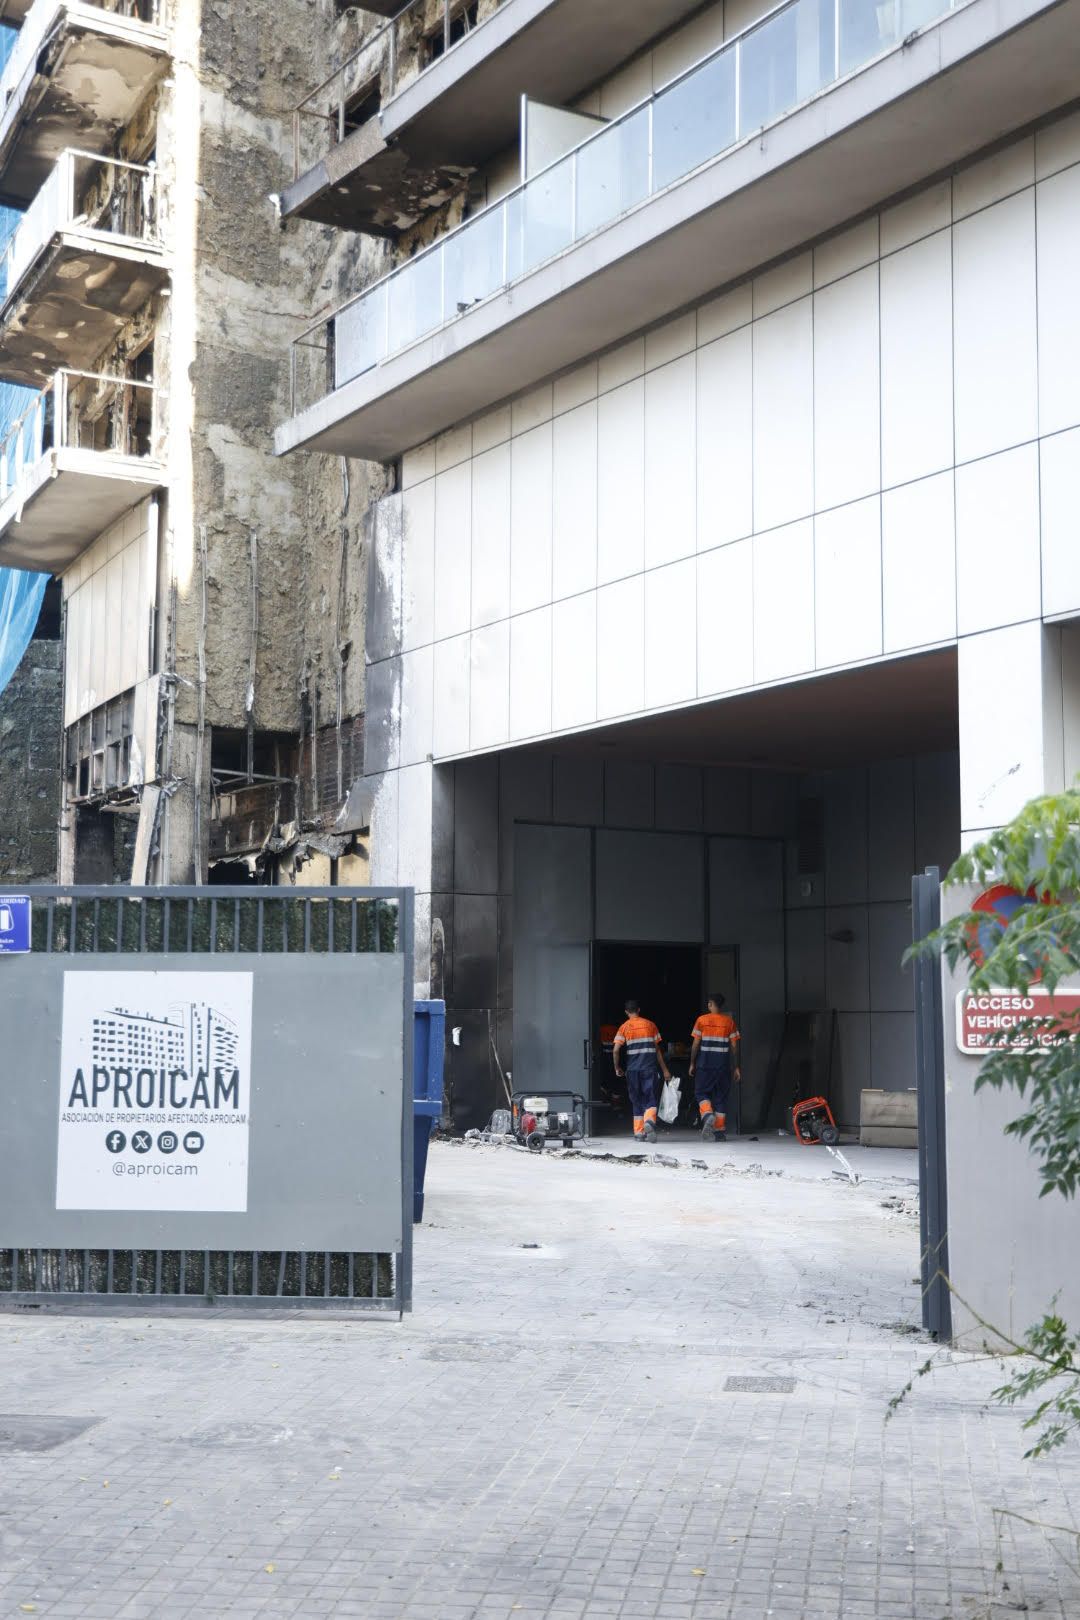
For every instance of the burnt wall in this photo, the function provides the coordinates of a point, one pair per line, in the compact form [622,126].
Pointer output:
[30,731]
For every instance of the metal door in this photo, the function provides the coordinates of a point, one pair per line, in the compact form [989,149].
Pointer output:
[552,928]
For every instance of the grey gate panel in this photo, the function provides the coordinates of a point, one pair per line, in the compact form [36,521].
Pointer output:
[552,930]
[210,1100]
[930,1081]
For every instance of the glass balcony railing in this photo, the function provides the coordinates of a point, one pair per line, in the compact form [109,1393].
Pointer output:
[786,59]
[100,196]
[77,410]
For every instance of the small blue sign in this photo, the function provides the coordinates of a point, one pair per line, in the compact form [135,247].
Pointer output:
[14,924]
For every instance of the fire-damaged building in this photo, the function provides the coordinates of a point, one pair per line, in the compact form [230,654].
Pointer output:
[724,367]
[201,664]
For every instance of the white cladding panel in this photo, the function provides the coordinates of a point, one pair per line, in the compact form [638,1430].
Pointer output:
[847,390]
[836,462]
[847,582]
[110,593]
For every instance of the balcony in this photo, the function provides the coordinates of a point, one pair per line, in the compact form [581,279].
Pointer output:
[683,195]
[77,459]
[78,264]
[75,77]
[450,100]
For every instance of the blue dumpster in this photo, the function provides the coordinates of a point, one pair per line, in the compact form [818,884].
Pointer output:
[429,1035]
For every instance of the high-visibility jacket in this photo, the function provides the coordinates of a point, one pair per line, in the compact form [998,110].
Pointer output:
[640,1038]
[718,1034]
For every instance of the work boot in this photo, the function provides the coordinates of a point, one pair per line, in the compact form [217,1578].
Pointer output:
[650,1131]
[708,1123]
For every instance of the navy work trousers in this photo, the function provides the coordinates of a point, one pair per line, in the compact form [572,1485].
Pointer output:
[641,1084]
[713,1085]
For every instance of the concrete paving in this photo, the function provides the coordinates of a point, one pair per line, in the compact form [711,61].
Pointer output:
[628,1390]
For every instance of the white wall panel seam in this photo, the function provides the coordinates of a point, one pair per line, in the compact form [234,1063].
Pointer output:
[697,478]
[1038,404]
[952,413]
[881,450]
[813,475]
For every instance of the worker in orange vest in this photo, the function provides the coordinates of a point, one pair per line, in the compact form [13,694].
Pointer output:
[713,1052]
[637,1051]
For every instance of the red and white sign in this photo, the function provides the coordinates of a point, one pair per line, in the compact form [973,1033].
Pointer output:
[990,1020]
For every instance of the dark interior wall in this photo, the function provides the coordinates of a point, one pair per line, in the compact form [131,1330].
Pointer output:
[843,870]
[848,903]
[477,804]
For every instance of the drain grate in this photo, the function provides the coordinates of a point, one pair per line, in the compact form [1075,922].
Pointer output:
[40,1433]
[759,1386]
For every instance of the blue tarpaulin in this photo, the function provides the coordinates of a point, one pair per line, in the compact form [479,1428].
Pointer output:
[20,604]
[20,593]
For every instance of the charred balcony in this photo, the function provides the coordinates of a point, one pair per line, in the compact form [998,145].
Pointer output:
[85,256]
[799,125]
[81,455]
[437,91]
[76,75]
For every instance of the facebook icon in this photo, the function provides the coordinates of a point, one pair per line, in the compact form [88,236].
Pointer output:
[14,924]
[116,1141]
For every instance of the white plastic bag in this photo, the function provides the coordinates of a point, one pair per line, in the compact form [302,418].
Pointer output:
[669,1102]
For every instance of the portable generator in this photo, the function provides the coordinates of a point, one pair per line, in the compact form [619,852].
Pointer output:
[812,1121]
[557,1117]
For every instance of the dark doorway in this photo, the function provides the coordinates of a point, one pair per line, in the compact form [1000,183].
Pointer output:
[667,981]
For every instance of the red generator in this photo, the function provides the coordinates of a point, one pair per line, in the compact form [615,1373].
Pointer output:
[813,1123]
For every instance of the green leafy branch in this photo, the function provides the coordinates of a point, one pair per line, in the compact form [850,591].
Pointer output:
[1037,854]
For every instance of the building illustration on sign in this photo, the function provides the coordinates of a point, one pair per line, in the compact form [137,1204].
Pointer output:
[191,1036]
[155,1090]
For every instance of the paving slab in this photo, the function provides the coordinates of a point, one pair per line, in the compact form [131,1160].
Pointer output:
[628,1389]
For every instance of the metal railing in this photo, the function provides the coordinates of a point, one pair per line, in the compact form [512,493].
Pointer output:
[377,62]
[84,192]
[763,74]
[78,410]
[39,23]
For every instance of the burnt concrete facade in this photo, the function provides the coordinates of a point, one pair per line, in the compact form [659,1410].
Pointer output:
[30,752]
[234,730]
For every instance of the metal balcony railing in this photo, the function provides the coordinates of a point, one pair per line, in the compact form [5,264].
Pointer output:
[100,196]
[40,22]
[78,410]
[385,61]
[751,81]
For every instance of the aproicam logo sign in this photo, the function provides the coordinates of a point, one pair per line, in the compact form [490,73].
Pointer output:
[155,1091]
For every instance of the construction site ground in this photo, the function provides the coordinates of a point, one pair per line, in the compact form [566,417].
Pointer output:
[629,1388]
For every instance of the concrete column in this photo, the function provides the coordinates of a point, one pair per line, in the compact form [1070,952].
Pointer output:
[184,836]
[1070,700]
[65,863]
[1019,697]
[401,851]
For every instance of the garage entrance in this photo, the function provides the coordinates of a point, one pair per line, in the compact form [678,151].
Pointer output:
[782,827]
